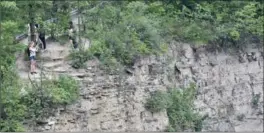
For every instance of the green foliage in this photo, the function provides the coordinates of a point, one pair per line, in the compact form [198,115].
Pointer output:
[79,58]
[11,111]
[36,103]
[49,95]
[124,30]
[180,108]
[170,129]
[158,101]
[120,32]
[108,25]
[66,91]
[11,126]
[9,5]
[15,107]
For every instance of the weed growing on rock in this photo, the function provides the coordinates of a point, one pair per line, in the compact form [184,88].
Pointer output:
[158,102]
[180,108]
[255,100]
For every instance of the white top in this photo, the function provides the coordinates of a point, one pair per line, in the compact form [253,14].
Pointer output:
[32,51]
[70,32]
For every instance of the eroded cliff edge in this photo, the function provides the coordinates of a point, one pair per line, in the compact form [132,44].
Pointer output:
[229,90]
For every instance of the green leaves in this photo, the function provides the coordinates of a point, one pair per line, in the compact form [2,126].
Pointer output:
[156,8]
[123,31]
[67,90]
[8,5]
[158,102]
[10,99]
[136,7]
[9,27]
[79,58]
[138,28]
[209,21]
[179,105]
[49,95]
[248,19]
[14,107]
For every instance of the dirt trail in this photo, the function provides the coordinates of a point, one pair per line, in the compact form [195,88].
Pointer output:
[53,60]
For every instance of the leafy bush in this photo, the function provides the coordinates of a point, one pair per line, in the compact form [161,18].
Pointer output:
[11,110]
[158,101]
[61,91]
[40,102]
[66,91]
[11,125]
[79,58]
[180,108]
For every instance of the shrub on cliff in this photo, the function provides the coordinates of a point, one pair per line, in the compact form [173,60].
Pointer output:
[158,102]
[179,106]
[44,97]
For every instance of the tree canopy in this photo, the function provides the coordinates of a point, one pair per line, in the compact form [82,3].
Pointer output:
[122,31]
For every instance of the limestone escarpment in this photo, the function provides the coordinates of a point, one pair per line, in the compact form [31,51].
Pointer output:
[228,86]
[227,89]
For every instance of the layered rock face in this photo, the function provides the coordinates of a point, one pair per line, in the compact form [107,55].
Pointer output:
[229,90]
[108,102]
[230,86]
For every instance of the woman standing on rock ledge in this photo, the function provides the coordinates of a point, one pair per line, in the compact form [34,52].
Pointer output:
[32,57]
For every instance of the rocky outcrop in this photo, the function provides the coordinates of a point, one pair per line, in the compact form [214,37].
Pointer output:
[108,102]
[229,90]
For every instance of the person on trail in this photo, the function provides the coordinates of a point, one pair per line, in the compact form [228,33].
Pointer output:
[32,57]
[42,36]
[36,33]
[30,36]
[73,40]
[72,35]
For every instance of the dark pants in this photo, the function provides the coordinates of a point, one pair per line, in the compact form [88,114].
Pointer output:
[75,45]
[28,51]
[74,42]
[43,41]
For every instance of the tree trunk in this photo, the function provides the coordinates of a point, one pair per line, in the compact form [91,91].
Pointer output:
[79,38]
[53,13]
[1,75]
[31,23]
